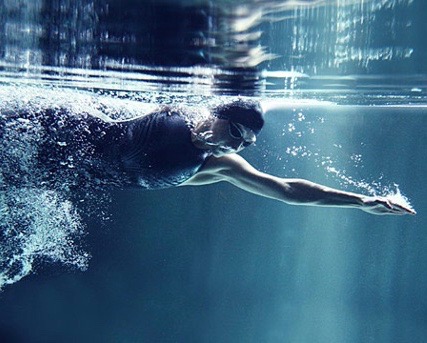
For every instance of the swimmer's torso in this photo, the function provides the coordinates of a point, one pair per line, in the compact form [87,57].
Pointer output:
[152,152]
[156,151]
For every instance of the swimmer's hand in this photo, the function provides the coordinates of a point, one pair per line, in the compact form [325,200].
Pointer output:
[385,205]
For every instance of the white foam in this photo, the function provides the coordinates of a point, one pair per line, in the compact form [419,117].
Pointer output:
[396,197]
[37,225]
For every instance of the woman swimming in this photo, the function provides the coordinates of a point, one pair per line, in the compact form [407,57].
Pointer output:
[164,149]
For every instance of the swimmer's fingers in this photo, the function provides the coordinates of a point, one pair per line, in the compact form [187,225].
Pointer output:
[381,205]
[402,209]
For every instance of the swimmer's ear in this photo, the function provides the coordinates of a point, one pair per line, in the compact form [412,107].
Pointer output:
[206,134]
[206,137]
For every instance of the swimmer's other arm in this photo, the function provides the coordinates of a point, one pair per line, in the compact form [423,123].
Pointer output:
[237,171]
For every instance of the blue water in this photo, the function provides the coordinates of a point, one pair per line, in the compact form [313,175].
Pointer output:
[213,263]
[217,264]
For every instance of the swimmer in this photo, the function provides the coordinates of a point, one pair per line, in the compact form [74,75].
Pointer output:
[161,150]
[235,126]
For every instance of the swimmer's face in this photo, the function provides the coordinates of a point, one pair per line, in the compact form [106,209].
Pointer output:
[229,137]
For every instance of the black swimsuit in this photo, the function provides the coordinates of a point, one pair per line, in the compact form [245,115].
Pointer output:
[152,152]
[156,151]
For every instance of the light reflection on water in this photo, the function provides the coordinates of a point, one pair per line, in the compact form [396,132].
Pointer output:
[187,84]
[240,47]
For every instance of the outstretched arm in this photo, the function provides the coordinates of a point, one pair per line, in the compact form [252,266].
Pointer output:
[236,170]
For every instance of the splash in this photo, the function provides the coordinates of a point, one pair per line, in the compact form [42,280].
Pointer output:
[37,225]
[373,188]
[40,222]
[396,197]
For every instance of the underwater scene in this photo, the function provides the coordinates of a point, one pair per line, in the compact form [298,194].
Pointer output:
[114,229]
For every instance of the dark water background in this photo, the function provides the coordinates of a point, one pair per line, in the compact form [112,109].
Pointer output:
[215,264]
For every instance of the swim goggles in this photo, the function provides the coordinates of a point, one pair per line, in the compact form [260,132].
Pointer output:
[239,131]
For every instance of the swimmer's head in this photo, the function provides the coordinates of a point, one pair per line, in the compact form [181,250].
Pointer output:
[245,112]
[232,127]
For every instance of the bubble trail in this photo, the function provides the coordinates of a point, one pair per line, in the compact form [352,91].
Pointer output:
[37,225]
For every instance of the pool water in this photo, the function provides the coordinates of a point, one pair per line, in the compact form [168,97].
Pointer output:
[218,264]
[213,263]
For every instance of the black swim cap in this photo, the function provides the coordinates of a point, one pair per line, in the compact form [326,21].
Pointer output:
[246,112]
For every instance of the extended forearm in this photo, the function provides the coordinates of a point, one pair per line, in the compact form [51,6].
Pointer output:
[293,191]
[237,171]
[299,191]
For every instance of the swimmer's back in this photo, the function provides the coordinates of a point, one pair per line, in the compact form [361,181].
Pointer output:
[154,151]
[157,151]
